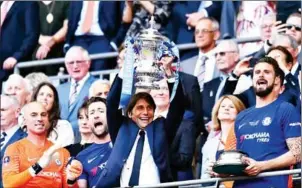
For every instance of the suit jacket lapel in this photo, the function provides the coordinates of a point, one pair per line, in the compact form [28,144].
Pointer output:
[133,130]
[150,130]
[81,95]
[65,102]
[19,134]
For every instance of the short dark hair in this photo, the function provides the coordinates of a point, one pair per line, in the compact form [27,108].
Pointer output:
[83,107]
[141,95]
[95,99]
[269,60]
[288,55]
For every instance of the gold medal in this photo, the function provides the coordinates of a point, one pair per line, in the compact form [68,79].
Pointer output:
[49,18]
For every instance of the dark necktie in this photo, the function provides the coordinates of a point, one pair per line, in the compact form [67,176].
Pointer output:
[2,139]
[137,160]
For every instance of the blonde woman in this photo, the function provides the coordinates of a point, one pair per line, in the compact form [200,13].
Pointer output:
[223,117]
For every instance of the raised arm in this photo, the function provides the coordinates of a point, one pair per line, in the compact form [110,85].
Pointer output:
[114,115]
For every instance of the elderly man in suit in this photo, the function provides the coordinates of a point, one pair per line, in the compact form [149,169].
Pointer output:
[72,94]
[97,27]
[10,131]
[19,34]
[203,66]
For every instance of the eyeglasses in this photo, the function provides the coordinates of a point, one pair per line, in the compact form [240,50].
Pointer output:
[203,31]
[223,53]
[297,28]
[76,62]
[266,26]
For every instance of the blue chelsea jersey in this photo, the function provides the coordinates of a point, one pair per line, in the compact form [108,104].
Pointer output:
[262,133]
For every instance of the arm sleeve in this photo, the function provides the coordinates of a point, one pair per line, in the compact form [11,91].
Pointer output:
[12,177]
[32,31]
[291,121]
[114,115]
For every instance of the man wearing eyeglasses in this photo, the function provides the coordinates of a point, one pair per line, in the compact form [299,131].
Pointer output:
[73,93]
[203,66]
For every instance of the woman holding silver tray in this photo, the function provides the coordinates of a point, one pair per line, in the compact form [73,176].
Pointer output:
[223,117]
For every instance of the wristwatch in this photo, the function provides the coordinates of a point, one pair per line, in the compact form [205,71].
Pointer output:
[37,168]
[234,75]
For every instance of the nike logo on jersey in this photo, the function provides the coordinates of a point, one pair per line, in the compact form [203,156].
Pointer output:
[240,126]
[90,160]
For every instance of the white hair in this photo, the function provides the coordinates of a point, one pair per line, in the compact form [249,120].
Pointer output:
[12,101]
[17,77]
[36,78]
[74,49]
[230,43]
[95,84]
[282,37]
[269,16]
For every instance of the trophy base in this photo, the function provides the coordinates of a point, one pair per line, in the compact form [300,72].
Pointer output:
[231,169]
[146,86]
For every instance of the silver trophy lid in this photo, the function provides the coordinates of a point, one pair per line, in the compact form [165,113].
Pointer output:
[151,33]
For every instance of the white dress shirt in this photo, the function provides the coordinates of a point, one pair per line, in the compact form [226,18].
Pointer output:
[9,134]
[81,84]
[203,5]
[95,28]
[149,174]
[9,5]
[211,69]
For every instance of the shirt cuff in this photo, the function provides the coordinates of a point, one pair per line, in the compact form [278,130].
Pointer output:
[205,12]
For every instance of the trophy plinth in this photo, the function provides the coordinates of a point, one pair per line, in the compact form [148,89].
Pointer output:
[230,162]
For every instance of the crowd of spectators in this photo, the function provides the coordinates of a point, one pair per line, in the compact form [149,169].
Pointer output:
[229,95]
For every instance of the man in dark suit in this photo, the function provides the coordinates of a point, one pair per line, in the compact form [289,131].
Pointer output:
[140,151]
[227,56]
[96,26]
[183,20]
[72,94]
[10,131]
[19,34]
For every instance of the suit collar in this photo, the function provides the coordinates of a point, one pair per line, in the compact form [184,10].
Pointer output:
[133,131]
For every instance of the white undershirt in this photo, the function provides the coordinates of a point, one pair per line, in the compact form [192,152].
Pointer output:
[148,172]
[95,28]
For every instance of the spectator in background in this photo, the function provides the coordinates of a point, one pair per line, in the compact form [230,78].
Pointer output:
[84,129]
[184,17]
[10,131]
[248,22]
[19,87]
[291,45]
[97,27]
[226,56]
[53,29]
[19,34]
[99,88]
[203,66]
[138,14]
[36,78]
[183,145]
[60,131]
[267,24]
[223,116]
[72,94]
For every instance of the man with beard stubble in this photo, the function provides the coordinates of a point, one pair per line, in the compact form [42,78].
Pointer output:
[270,131]
[94,158]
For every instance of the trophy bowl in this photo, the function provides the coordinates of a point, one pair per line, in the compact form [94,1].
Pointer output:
[230,162]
